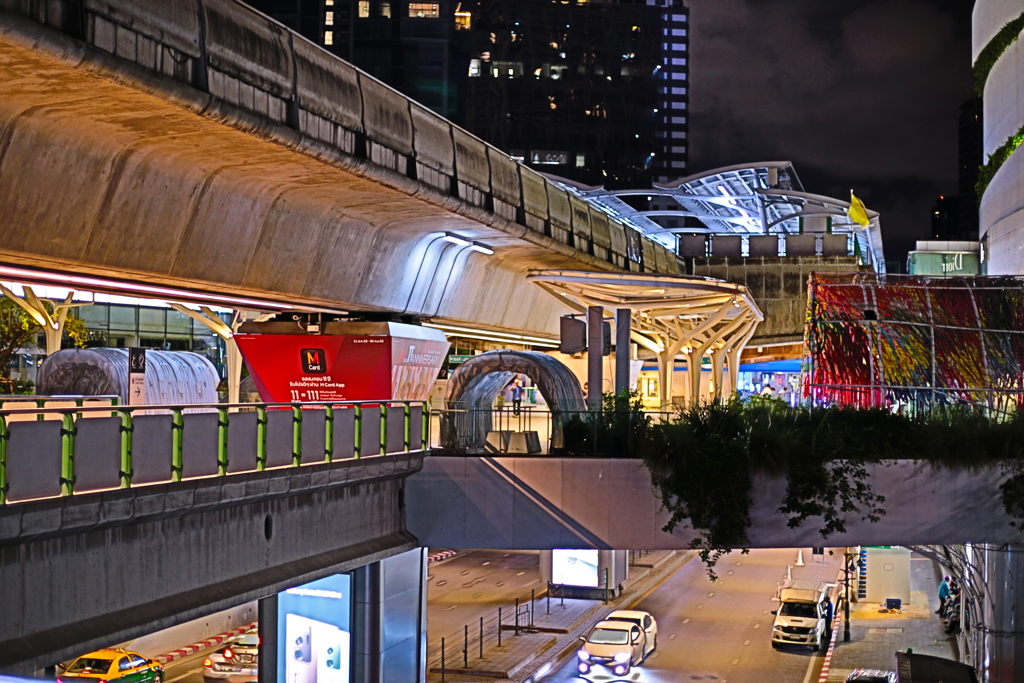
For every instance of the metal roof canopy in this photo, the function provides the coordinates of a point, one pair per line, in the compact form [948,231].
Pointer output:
[671,315]
[748,199]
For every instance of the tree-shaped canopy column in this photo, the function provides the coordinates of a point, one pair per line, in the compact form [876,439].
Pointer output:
[671,316]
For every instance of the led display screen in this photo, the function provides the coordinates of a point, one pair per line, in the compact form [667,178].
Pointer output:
[574,567]
[314,634]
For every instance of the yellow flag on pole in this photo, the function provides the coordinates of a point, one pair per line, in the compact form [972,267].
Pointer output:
[857,212]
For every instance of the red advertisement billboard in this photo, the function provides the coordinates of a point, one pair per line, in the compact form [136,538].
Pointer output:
[345,367]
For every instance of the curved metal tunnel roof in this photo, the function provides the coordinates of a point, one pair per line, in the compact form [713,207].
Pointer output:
[476,383]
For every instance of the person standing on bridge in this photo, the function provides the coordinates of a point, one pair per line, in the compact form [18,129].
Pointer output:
[943,594]
[517,396]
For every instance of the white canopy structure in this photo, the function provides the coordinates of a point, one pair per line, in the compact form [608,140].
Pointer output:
[694,317]
[747,199]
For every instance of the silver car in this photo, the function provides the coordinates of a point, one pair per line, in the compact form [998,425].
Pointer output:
[237,661]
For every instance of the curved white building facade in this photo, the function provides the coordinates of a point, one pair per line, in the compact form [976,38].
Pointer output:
[1002,204]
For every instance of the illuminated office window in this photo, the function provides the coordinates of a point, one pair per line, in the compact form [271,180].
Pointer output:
[428,10]
[364,9]
[385,10]
[328,37]
[329,18]
[463,19]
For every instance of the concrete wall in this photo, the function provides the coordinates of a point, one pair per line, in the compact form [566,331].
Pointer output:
[990,16]
[543,503]
[95,570]
[1002,206]
[779,286]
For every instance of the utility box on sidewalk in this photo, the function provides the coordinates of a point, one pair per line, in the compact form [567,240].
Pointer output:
[888,574]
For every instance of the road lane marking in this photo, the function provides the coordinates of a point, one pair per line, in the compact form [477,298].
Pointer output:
[442,582]
[735,661]
[686,620]
[700,606]
[672,636]
[746,642]
[729,572]
[477,595]
[658,585]
[521,573]
[464,572]
[764,611]
[738,564]
[755,625]
[450,608]
[506,554]
[184,675]
[711,594]
[486,563]
[500,584]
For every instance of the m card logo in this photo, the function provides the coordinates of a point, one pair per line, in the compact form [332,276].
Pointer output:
[314,361]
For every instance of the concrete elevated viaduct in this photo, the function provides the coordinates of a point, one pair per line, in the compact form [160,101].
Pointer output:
[200,144]
[82,572]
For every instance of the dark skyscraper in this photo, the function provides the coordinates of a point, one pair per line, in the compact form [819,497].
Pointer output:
[592,91]
[595,92]
[970,157]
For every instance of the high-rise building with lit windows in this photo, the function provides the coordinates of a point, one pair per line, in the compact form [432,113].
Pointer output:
[595,91]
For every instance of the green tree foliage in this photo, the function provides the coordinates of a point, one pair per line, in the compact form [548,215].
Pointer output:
[18,329]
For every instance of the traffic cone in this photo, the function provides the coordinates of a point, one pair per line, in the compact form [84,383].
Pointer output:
[800,557]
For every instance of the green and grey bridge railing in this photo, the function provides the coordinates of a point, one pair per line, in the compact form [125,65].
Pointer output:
[53,452]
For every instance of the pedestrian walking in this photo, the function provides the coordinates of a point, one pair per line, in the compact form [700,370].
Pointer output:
[829,616]
[943,594]
[517,396]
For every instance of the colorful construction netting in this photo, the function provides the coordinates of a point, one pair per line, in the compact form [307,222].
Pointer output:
[887,340]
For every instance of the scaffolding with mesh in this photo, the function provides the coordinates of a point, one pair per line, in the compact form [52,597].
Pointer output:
[876,340]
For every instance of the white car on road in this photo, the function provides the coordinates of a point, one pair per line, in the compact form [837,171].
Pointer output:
[615,645]
[642,619]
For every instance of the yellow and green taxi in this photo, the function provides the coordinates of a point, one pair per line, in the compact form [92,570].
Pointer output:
[112,665]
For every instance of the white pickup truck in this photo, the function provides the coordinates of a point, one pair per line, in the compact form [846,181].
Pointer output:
[800,619]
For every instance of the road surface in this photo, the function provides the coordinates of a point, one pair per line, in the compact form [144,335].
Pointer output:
[475,584]
[720,632]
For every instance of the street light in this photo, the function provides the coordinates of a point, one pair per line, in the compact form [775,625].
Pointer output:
[847,559]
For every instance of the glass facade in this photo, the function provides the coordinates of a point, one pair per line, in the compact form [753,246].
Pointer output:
[154,328]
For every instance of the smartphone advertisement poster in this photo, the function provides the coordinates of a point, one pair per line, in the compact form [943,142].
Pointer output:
[314,633]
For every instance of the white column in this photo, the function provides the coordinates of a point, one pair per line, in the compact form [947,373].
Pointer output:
[52,322]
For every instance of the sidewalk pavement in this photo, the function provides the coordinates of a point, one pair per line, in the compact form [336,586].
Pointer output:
[875,636]
[520,656]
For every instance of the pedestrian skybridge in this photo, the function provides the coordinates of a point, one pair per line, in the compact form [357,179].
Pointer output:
[609,503]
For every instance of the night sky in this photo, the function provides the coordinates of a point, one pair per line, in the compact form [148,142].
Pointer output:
[857,94]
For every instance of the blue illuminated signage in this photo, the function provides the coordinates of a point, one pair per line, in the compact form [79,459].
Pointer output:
[314,632]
